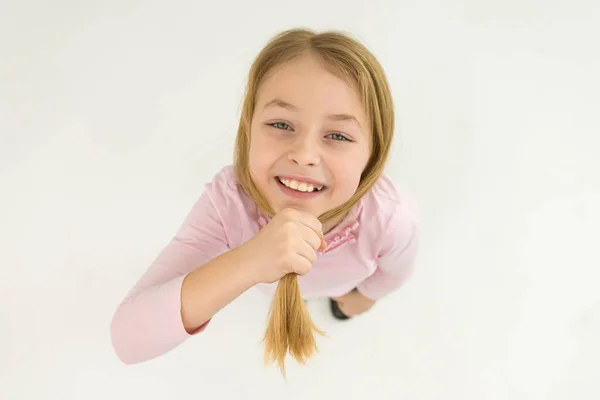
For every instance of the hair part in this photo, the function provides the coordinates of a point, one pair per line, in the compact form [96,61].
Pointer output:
[290,327]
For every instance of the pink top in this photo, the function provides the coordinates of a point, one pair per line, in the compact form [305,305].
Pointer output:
[373,249]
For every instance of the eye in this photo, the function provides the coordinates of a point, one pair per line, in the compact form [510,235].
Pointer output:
[280,125]
[339,137]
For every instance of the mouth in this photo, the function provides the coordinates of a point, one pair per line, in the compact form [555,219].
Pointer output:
[299,185]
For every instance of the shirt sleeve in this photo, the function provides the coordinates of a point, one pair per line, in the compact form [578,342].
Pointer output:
[148,321]
[396,259]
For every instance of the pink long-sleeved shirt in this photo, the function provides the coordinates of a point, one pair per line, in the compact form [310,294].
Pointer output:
[373,249]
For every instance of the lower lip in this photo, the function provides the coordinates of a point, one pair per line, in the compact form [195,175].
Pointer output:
[295,193]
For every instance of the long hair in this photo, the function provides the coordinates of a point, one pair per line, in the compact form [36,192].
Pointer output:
[290,326]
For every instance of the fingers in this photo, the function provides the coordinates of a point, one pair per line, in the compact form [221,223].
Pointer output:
[306,256]
[315,225]
[307,251]
[312,238]
[320,244]
[306,219]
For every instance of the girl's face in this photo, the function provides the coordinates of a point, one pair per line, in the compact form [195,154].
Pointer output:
[309,139]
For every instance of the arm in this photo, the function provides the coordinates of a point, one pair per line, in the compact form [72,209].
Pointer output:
[150,320]
[397,257]
[206,290]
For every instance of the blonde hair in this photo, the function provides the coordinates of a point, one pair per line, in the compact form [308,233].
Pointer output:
[290,326]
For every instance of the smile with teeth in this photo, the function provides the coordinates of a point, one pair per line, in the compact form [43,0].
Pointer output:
[299,185]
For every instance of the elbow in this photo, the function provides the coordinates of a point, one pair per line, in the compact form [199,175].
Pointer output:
[120,335]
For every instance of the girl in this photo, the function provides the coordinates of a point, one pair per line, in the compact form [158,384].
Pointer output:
[305,200]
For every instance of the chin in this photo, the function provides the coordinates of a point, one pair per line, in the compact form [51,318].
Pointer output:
[296,206]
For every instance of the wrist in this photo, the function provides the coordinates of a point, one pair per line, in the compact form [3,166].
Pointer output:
[244,266]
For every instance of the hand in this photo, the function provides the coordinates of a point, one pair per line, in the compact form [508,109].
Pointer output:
[288,244]
[354,303]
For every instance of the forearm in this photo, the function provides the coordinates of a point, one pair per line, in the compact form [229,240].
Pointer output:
[208,289]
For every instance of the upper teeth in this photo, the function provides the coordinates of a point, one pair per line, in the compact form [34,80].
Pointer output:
[300,186]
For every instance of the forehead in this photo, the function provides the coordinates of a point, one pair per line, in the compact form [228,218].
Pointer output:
[310,86]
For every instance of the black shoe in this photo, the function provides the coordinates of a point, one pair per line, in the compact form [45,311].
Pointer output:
[335,310]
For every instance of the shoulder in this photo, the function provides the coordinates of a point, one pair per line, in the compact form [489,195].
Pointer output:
[223,181]
[223,186]
[229,200]
[389,212]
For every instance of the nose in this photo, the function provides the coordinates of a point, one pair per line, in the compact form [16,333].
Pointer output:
[304,151]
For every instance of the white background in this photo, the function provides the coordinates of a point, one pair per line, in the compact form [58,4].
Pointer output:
[113,115]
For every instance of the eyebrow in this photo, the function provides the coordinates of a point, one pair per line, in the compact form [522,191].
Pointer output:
[280,103]
[291,107]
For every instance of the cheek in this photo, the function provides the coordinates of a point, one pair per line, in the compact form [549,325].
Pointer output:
[260,159]
[348,180]
[347,175]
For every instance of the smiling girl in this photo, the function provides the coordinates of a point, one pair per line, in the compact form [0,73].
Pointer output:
[305,211]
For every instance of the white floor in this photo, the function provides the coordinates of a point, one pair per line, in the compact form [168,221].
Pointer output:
[114,114]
